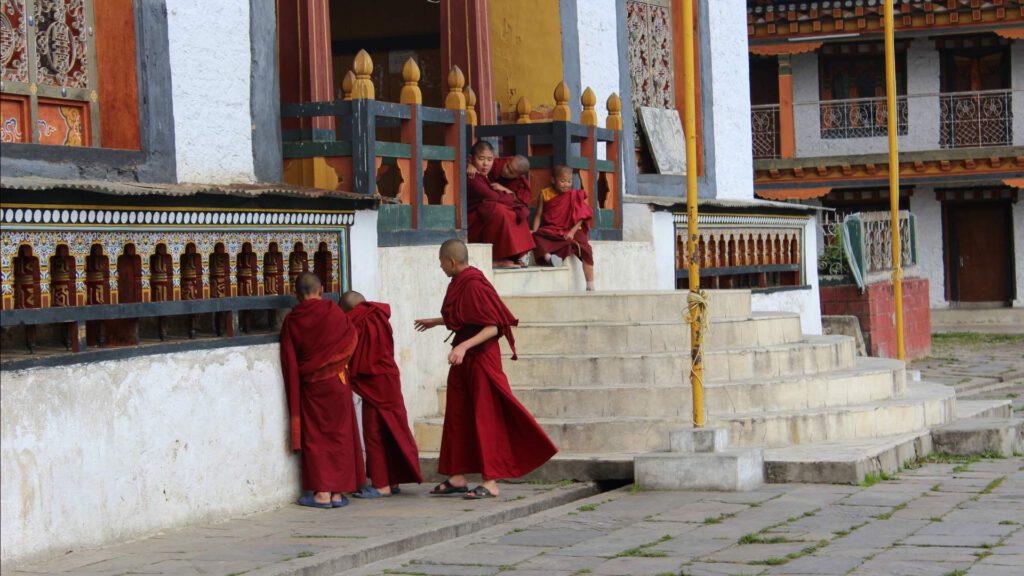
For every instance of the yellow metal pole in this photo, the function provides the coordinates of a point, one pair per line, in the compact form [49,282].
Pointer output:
[894,176]
[690,127]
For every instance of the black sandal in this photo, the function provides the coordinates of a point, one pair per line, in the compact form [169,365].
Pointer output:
[478,493]
[446,487]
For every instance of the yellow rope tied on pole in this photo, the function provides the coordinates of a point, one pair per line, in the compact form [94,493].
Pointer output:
[697,317]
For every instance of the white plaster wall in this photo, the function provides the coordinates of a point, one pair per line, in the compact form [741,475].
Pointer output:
[730,87]
[599,56]
[1018,251]
[1017,83]
[106,452]
[923,66]
[806,302]
[640,223]
[211,67]
[363,237]
[930,262]
[411,280]
[618,266]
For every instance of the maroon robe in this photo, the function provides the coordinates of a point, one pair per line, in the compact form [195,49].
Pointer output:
[486,429]
[391,454]
[559,215]
[492,220]
[520,185]
[317,341]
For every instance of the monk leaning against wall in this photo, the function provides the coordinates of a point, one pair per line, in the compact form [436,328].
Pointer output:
[486,430]
[317,341]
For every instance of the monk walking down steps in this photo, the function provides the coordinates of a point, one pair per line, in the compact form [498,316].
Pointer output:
[562,224]
[391,454]
[486,430]
[317,341]
[491,212]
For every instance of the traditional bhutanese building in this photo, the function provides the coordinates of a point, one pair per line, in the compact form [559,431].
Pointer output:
[818,116]
[170,166]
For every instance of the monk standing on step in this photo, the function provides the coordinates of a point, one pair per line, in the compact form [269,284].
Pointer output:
[391,454]
[317,341]
[486,429]
[491,212]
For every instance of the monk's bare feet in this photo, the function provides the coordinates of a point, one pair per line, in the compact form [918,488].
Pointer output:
[322,497]
[492,486]
[336,496]
[504,264]
[384,491]
[453,485]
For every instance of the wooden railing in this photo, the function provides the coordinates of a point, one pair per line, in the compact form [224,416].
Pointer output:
[575,144]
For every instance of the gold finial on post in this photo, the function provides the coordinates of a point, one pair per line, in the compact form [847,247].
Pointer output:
[347,83]
[455,100]
[614,121]
[363,86]
[470,106]
[411,93]
[589,100]
[523,111]
[562,111]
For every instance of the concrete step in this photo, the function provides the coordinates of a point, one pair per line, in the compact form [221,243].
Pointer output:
[845,461]
[1002,436]
[588,435]
[532,280]
[950,318]
[621,306]
[662,368]
[564,466]
[925,405]
[994,408]
[812,355]
[611,337]
[871,379]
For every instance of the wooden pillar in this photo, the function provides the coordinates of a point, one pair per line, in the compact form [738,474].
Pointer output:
[787,129]
[466,43]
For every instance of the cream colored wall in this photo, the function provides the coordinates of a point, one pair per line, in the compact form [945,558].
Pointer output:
[526,52]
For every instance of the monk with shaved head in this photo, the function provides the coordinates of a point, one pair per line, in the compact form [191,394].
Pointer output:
[496,214]
[317,342]
[391,454]
[486,430]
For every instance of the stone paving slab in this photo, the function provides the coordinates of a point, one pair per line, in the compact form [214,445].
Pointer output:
[793,529]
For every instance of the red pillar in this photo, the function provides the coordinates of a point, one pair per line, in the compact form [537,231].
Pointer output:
[466,42]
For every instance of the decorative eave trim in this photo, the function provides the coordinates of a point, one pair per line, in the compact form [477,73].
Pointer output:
[743,220]
[18,215]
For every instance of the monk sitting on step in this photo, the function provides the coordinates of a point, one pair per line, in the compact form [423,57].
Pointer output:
[391,454]
[562,224]
[317,341]
[511,175]
[491,211]
[486,429]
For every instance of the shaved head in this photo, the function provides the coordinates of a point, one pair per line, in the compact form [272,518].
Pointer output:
[455,250]
[307,284]
[521,164]
[351,299]
[561,170]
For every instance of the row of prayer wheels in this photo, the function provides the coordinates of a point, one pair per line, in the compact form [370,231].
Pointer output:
[358,85]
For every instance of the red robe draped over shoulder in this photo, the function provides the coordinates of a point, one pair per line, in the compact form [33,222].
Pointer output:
[486,429]
[317,341]
[492,220]
[561,212]
[519,185]
[391,454]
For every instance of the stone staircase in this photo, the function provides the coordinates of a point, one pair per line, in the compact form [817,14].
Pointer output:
[605,374]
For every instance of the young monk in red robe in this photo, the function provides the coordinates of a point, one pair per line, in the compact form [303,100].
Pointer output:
[562,224]
[511,175]
[317,341]
[391,454]
[492,214]
[486,429]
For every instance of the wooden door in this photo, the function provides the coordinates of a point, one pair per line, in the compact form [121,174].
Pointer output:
[981,266]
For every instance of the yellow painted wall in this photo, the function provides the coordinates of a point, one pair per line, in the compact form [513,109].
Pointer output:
[526,52]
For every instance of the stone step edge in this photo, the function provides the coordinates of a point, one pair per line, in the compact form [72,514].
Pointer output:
[916,398]
[755,317]
[330,562]
[833,339]
[982,408]
[619,293]
[844,461]
[578,466]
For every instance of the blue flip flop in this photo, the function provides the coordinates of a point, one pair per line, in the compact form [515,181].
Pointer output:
[367,492]
[310,500]
[340,503]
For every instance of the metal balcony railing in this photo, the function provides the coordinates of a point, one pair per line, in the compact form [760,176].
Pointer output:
[975,119]
[764,124]
[860,117]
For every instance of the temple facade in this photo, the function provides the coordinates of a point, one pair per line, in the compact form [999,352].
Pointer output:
[169,167]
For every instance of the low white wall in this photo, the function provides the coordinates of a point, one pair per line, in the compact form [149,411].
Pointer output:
[411,280]
[927,213]
[110,451]
[618,266]
[656,229]
[806,302]
[211,68]
[363,238]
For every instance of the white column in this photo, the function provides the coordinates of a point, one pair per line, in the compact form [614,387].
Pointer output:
[806,124]
[923,71]
[363,253]
[930,260]
[1017,83]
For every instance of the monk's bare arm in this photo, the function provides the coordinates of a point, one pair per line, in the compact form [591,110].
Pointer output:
[459,352]
[536,219]
[424,324]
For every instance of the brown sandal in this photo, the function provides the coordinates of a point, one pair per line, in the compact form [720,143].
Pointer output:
[446,487]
